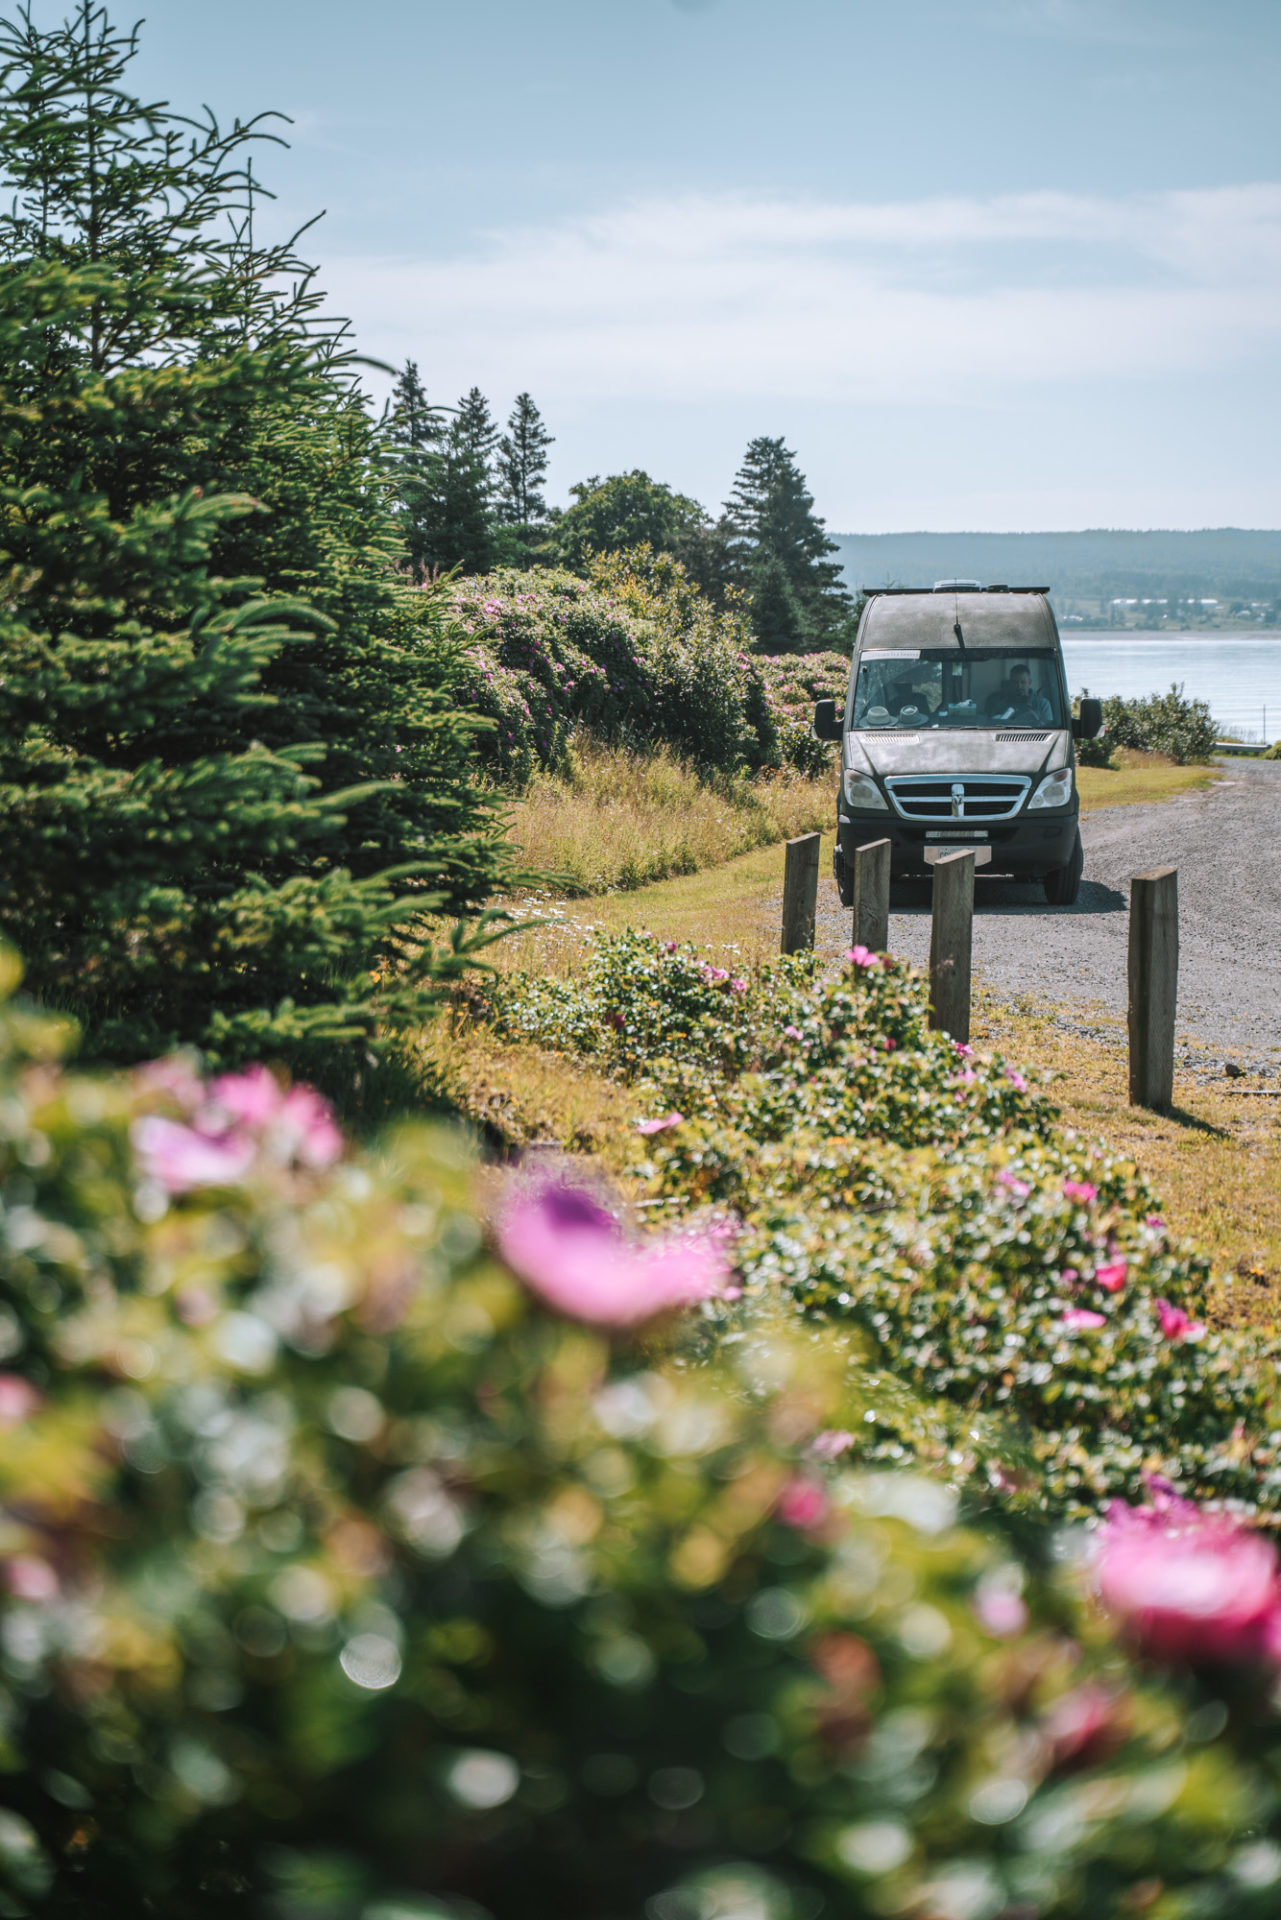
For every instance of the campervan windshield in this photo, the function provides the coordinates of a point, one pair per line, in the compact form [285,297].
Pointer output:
[976,687]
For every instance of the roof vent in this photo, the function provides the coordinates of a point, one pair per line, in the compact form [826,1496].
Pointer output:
[958,586]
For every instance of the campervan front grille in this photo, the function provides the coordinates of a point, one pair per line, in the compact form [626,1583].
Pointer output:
[969,796]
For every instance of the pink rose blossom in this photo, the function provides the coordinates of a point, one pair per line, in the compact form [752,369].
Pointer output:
[241,1118]
[738,986]
[1016,1080]
[18,1400]
[1082,1320]
[966,1077]
[1188,1583]
[28,1578]
[174,1076]
[1000,1608]
[572,1253]
[803,1504]
[792,1033]
[715,976]
[660,1126]
[1176,1324]
[831,1443]
[964,1049]
[1019,1188]
[1080,1190]
[860,956]
[180,1157]
[669,946]
[1112,1276]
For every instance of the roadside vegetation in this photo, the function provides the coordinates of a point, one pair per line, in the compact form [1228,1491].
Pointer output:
[614,819]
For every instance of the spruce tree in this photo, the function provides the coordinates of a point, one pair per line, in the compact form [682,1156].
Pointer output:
[232,769]
[770,517]
[522,465]
[414,433]
[454,513]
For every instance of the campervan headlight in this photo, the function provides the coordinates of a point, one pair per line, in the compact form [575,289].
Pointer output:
[1054,791]
[862,791]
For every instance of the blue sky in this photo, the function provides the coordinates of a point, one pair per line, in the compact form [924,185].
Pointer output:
[985,263]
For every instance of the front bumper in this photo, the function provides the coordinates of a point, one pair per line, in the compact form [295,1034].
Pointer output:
[1026,848]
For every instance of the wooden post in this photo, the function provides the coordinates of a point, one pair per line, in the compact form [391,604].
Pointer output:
[800,892]
[1154,986]
[951,935]
[872,896]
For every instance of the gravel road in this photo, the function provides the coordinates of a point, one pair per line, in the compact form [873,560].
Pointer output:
[1226,843]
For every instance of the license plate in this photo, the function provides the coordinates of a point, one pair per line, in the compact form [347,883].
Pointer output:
[982,855]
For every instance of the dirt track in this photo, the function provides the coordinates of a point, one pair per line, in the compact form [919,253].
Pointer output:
[1225,842]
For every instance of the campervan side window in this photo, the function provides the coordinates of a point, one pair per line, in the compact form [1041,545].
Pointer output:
[979,687]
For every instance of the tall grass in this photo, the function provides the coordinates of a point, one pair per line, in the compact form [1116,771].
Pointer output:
[615,820]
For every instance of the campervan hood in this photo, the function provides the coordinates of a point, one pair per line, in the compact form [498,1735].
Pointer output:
[977,751]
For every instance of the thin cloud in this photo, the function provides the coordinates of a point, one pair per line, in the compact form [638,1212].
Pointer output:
[700,297]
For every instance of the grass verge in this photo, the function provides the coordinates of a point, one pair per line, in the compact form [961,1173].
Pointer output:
[1136,778]
[617,820]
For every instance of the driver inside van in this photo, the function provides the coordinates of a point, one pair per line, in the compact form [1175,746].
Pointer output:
[1017,697]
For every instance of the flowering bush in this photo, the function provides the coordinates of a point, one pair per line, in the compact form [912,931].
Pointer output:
[882,1177]
[633,654]
[348,1572]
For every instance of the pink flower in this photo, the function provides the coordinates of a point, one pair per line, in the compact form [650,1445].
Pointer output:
[792,1033]
[574,1255]
[660,1126]
[1112,1276]
[1000,1608]
[1175,1323]
[966,1077]
[28,1578]
[1016,1080]
[18,1400]
[861,957]
[831,1443]
[738,986]
[1154,1220]
[1080,1190]
[715,976]
[180,1157]
[1190,1584]
[966,1052]
[803,1504]
[1081,1320]
[669,946]
[242,1117]
[1019,1188]
[1069,1276]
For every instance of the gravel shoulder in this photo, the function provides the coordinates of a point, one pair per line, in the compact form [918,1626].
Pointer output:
[1224,840]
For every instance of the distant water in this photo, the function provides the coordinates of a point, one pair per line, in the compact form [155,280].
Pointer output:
[1237,674]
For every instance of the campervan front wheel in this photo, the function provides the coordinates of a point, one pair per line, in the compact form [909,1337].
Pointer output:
[1064,883]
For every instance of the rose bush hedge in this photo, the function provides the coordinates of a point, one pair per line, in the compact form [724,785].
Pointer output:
[353,1570]
[879,1176]
[636,655]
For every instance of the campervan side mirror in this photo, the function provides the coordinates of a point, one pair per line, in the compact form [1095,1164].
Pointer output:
[1090,724]
[827,725]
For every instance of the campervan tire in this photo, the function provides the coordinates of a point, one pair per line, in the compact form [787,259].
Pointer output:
[1063,884]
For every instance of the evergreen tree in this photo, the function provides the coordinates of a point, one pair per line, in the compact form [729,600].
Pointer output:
[770,517]
[414,432]
[226,803]
[772,610]
[522,465]
[477,433]
[453,504]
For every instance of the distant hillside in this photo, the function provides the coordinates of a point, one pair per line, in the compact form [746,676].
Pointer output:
[1087,572]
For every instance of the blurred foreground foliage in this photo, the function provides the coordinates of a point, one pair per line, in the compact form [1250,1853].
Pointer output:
[343,1581]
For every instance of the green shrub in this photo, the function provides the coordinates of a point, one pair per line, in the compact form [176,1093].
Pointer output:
[930,1199]
[1166,723]
[342,1579]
